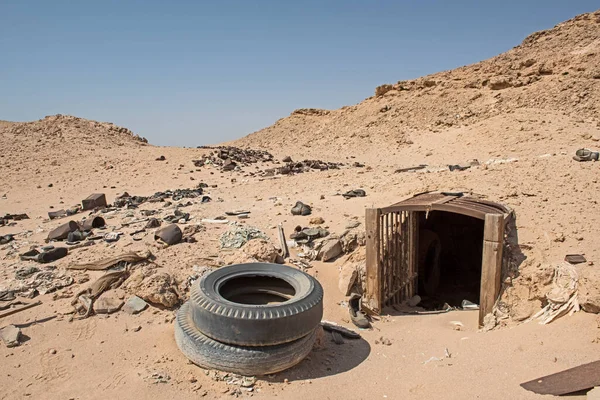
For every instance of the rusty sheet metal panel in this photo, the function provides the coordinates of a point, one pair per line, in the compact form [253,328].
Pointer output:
[470,206]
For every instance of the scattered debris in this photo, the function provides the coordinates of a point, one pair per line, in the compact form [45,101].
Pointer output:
[563,298]
[410,169]
[301,209]
[354,193]
[572,380]
[106,282]
[7,309]
[345,332]
[170,234]
[575,258]
[26,272]
[469,305]
[106,263]
[62,232]
[46,256]
[357,317]
[284,252]
[307,235]
[238,236]
[57,214]
[7,238]
[228,158]
[96,200]
[112,237]
[586,155]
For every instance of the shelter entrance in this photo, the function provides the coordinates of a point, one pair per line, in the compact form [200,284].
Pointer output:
[445,247]
[449,259]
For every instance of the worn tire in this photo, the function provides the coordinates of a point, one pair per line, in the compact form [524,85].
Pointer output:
[249,361]
[256,324]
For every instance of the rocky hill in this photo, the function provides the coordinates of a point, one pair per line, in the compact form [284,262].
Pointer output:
[556,70]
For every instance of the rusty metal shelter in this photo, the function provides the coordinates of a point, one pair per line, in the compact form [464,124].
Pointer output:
[403,240]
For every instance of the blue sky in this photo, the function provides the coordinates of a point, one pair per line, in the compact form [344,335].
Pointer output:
[189,73]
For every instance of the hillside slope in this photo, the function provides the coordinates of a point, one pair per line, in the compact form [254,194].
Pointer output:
[555,71]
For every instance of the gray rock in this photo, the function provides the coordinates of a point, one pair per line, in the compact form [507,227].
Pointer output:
[135,305]
[107,305]
[331,250]
[10,335]
[591,304]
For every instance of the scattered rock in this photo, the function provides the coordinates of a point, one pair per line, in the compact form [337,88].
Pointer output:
[137,328]
[10,335]
[330,250]
[317,221]
[134,305]
[107,303]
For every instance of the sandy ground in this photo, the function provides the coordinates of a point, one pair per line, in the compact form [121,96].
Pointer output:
[102,356]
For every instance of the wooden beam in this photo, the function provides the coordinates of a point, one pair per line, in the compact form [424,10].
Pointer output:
[491,263]
[374,293]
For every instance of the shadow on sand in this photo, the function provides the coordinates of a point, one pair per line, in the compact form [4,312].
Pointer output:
[326,359]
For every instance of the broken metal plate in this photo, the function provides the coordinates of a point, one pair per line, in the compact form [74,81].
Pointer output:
[575,379]
[575,258]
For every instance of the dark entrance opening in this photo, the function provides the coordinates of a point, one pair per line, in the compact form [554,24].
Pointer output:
[450,250]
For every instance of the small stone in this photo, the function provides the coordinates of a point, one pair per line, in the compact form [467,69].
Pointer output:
[134,305]
[52,351]
[286,380]
[317,221]
[10,335]
[193,379]
[137,328]
[248,381]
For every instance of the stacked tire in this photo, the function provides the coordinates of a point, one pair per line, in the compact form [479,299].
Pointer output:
[250,319]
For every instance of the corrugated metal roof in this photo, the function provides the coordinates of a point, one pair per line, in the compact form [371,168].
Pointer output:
[450,202]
